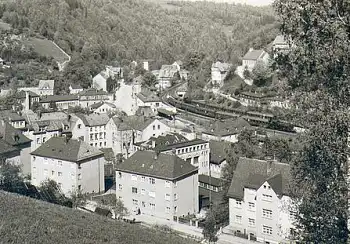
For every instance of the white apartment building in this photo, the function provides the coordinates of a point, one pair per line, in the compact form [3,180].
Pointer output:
[219,71]
[259,205]
[90,128]
[161,185]
[73,164]
[253,56]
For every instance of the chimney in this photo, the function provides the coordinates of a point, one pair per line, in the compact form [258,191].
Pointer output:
[27,102]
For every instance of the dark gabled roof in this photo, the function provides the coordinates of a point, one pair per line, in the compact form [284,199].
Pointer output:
[144,111]
[6,148]
[210,180]
[69,150]
[108,154]
[102,211]
[9,115]
[22,94]
[217,151]
[96,105]
[252,173]
[183,144]
[148,96]
[76,86]
[166,111]
[138,122]
[164,166]
[58,98]
[11,135]
[223,67]
[216,197]
[162,142]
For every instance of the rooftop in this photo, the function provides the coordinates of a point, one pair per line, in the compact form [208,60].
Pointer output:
[46,84]
[183,144]
[76,86]
[148,96]
[252,173]
[67,149]
[211,180]
[280,40]
[164,166]
[167,71]
[11,135]
[162,142]
[6,148]
[22,94]
[223,67]
[92,92]
[94,119]
[58,98]
[227,127]
[217,151]
[9,115]
[253,54]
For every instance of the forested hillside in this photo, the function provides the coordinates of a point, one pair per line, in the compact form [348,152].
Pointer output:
[96,32]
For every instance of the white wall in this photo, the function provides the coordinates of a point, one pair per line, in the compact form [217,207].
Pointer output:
[125,97]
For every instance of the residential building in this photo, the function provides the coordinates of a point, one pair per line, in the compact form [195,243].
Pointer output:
[149,99]
[14,119]
[227,130]
[145,111]
[125,97]
[75,89]
[61,102]
[73,164]
[92,96]
[46,87]
[253,56]
[181,91]
[99,82]
[211,191]
[161,185]
[218,157]
[9,153]
[166,74]
[90,128]
[103,107]
[280,44]
[259,204]
[27,99]
[14,138]
[219,71]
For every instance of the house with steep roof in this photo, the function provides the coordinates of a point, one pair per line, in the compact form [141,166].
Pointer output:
[13,118]
[73,164]
[226,130]
[259,203]
[217,157]
[46,87]
[75,89]
[250,59]
[90,128]
[146,98]
[15,138]
[99,82]
[103,107]
[280,44]
[219,71]
[161,185]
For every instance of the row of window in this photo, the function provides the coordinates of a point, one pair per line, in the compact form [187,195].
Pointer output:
[101,144]
[154,127]
[98,136]
[143,179]
[193,148]
[152,206]
[102,127]
[210,187]
[152,194]
[251,222]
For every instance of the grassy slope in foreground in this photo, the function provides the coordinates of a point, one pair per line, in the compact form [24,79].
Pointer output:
[25,220]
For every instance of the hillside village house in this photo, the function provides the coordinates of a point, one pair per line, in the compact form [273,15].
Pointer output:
[219,71]
[181,91]
[161,185]
[9,153]
[14,138]
[27,99]
[90,128]
[211,190]
[259,204]
[280,44]
[259,100]
[166,74]
[227,130]
[103,107]
[125,96]
[13,118]
[73,164]
[217,157]
[92,96]
[99,82]
[75,88]
[253,56]
[61,102]
[44,88]
[148,99]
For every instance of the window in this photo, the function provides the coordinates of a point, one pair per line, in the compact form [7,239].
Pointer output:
[152,194]
[175,197]
[143,179]
[267,213]
[251,206]
[152,206]
[34,158]
[154,127]
[79,187]
[167,197]
[158,127]
[120,174]
[292,215]
[79,176]
[175,209]
[79,126]
[45,172]
[266,197]
[157,104]
[59,163]
[120,187]
[238,219]
[167,209]
[90,128]
[251,222]
[238,204]
[52,172]
[152,181]
[60,185]
[267,230]
[134,177]
[167,184]
[134,190]
[135,202]
[143,191]
[59,173]
[44,139]
[143,204]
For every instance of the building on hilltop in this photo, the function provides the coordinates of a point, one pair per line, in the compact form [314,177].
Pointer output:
[259,203]
[161,185]
[280,45]
[219,71]
[46,87]
[73,164]
[251,58]
[99,82]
